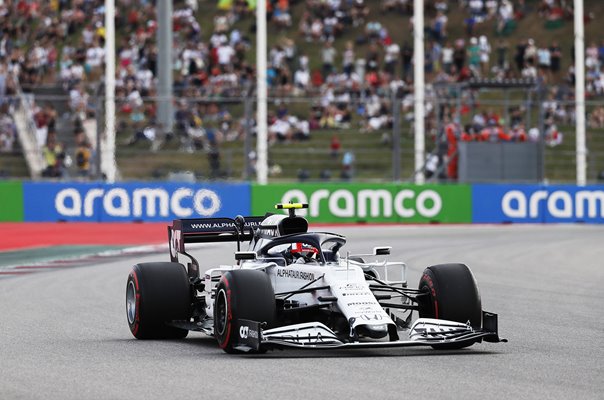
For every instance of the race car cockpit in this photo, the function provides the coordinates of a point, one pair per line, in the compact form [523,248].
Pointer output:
[317,247]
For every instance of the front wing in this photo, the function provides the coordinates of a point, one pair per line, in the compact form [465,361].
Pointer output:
[437,333]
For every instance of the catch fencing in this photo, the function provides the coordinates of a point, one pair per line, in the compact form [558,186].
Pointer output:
[333,137]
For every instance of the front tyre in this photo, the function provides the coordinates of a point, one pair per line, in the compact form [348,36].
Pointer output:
[157,293]
[242,294]
[452,295]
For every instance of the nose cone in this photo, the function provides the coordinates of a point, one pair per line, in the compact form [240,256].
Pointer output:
[373,331]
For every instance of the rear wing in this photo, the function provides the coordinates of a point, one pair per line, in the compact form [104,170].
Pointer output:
[207,230]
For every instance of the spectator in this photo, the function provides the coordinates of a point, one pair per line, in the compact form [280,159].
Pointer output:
[544,58]
[505,16]
[529,71]
[485,54]
[300,128]
[391,58]
[407,57]
[439,27]
[331,27]
[302,79]
[520,55]
[78,101]
[280,130]
[328,56]
[54,156]
[591,56]
[530,53]
[95,55]
[596,118]
[477,8]
[553,137]
[491,8]
[447,57]
[225,55]
[502,55]
[347,166]
[359,12]
[316,30]
[348,59]
[556,58]
[474,55]
[281,15]
[83,155]
[335,146]
[44,120]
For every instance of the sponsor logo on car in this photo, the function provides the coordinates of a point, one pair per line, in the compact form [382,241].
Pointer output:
[374,317]
[313,336]
[353,286]
[295,274]
[175,242]
[222,225]
[246,332]
[357,294]
[360,303]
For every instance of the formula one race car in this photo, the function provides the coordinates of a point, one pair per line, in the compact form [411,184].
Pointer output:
[294,288]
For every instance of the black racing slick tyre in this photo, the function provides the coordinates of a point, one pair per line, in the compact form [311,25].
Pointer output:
[453,294]
[157,293]
[242,294]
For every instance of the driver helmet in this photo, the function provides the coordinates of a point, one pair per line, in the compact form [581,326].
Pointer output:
[304,250]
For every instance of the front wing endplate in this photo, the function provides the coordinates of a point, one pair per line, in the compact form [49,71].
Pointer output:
[437,333]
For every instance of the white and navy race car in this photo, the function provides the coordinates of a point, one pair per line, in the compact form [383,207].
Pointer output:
[295,288]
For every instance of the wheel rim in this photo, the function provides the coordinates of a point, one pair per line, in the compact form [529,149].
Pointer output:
[221,312]
[131,302]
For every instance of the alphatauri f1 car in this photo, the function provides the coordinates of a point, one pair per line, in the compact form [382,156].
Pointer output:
[295,288]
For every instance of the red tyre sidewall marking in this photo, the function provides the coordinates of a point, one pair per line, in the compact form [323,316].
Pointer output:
[426,278]
[138,302]
[224,343]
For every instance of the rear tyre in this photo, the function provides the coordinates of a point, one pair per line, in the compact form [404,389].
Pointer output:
[157,293]
[453,295]
[242,294]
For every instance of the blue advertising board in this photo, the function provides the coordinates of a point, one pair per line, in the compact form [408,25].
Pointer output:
[537,203]
[135,201]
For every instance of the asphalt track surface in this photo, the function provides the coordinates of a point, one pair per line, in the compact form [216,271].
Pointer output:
[63,334]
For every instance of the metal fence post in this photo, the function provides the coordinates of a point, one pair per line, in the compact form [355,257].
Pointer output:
[164,37]
[247,147]
[529,109]
[541,122]
[100,122]
[396,138]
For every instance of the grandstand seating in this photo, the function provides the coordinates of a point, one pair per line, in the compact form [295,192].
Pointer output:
[77,25]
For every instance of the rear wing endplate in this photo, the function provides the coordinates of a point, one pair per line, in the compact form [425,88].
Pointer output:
[208,230]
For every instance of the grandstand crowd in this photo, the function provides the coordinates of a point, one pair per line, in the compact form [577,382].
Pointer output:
[353,72]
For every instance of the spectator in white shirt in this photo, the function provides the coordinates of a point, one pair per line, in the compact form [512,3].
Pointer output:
[225,55]
[391,58]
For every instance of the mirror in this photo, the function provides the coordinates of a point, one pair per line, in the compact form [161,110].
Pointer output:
[382,251]
[245,255]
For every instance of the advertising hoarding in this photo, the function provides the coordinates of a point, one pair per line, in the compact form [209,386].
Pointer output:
[537,203]
[135,201]
[341,202]
[11,202]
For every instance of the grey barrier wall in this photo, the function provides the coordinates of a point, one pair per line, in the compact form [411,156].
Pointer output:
[500,162]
